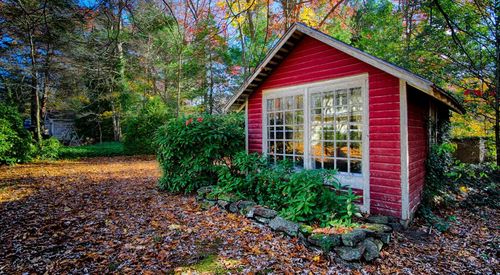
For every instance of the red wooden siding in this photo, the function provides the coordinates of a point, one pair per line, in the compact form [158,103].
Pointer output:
[312,61]
[418,110]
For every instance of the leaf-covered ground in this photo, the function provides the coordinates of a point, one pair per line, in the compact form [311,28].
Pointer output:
[105,215]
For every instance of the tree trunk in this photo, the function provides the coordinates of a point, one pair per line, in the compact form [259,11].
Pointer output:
[179,75]
[497,79]
[35,97]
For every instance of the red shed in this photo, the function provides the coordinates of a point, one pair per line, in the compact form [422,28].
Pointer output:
[324,104]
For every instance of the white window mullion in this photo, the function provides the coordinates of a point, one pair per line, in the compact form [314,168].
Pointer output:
[307,130]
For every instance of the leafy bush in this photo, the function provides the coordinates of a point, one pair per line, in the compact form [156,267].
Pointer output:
[190,149]
[299,195]
[140,129]
[438,187]
[15,141]
[48,149]
[105,149]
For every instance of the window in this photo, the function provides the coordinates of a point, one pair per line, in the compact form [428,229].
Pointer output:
[321,125]
[337,129]
[285,128]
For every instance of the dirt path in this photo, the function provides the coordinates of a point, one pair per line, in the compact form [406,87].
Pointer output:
[105,215]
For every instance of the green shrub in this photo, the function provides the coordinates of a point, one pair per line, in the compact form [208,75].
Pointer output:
[48,149]
[299,195]
[15,141]
[105,149]
[438,186]
[190,149]
[140,129]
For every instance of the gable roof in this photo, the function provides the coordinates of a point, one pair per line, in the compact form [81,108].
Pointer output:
[298,30]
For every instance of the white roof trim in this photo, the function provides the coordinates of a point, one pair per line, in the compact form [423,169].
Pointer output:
[412,79]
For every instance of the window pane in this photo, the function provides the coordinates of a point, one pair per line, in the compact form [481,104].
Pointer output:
[342,149]
[341,98]
[277,103]
[316,148]
[342,165]
[355,166]
[329,163]
[328,100]
[316,100]
[289,102]
[299,102]
[329,135]
[329,149]
[355,135]
[270,147]
[270,119]
[270,105]
[341,132]
[299,117]
[279,147]
[289,118]
[270,132]
[279,118]
[356,118]
[289,147]
[316,133]
[356,96]
[355,150]
[316,163]
[298,135]
[298,148]
[279,133]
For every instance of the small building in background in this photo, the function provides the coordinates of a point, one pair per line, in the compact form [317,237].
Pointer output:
[470,150]
[61,125]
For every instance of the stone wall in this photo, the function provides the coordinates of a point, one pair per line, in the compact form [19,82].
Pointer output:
[362,243]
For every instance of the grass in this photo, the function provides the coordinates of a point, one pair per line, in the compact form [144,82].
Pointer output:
[105,149]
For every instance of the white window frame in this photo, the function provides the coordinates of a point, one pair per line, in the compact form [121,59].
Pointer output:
[355,181]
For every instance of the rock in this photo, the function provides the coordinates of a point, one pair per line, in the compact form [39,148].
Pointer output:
[206,204]
[325,241]
[306,229]
[248,212]
[353,237]
[223,204]
[372,229]
[228,197]
[203,191]
[282,225]
[233,207]
[371,250]
[378,242]
[245,207]
[212,196]
[396,226]
[348,253]
[378,219]
[264,212]
[384,237]
[262,220]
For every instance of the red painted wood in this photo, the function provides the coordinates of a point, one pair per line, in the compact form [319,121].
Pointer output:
[417,145]
[312,61]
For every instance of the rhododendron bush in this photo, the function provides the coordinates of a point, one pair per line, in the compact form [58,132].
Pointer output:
[191,148]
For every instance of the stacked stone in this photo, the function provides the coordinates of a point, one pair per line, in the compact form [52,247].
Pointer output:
[364,242]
